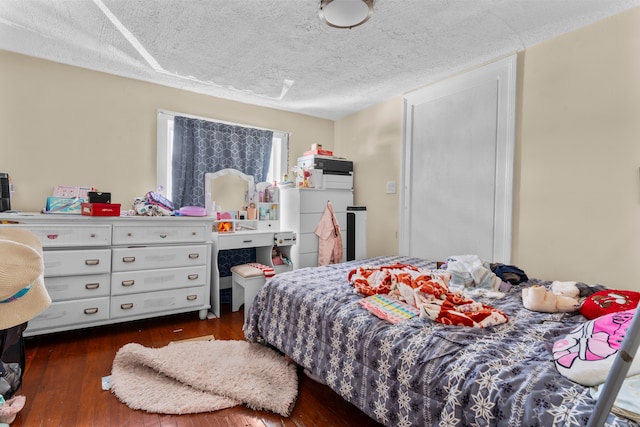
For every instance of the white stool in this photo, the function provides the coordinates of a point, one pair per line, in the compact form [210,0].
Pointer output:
[246,281]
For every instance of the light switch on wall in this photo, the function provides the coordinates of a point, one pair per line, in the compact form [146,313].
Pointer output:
[391,187]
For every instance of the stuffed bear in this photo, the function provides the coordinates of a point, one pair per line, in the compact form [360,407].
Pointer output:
[538,298]
[575,289]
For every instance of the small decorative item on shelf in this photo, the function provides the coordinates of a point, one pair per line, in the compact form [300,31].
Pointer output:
[302,176]
[251,211]
[225,226]
[64,205]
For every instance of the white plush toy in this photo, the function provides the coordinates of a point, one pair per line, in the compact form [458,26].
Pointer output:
[538,298]
[569,289]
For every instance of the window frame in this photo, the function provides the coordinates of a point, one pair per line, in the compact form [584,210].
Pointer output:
[278,165]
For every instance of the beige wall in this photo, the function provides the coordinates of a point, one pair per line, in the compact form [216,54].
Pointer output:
[578,207]
[577,182]
[372,139]
[70,126]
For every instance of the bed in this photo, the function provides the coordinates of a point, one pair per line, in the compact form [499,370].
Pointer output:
[420,372]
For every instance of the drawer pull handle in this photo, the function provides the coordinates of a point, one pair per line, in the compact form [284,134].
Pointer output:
[247,241]
[93,310]
[92,235]
[128,259]
[192,276]
[194,256]
[162,236]
[127,306]
[128,282]
[52,236]
[192,297]
[92,286]
[92,261]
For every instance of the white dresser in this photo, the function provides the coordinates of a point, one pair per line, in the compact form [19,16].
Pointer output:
[102,270]
[301,211]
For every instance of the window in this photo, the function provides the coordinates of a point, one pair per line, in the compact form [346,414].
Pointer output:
[278,163]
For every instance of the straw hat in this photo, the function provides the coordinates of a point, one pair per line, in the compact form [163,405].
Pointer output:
[22,291]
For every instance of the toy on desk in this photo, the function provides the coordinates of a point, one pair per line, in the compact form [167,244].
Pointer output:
[278,258]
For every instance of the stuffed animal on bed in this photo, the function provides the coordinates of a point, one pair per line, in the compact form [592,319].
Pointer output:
[539,298]
[575,289]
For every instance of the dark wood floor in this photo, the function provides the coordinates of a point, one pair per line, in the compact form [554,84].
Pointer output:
[63,373]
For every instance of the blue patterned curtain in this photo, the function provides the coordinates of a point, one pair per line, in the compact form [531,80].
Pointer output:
[201,146]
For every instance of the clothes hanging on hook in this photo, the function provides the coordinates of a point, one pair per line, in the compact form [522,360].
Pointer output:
[329,237]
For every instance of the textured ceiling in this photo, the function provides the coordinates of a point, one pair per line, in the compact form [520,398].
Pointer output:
[277,53]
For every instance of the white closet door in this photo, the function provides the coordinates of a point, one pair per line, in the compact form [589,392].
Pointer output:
[458,166]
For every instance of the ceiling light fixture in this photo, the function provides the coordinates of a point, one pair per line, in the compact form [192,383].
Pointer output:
[345,13]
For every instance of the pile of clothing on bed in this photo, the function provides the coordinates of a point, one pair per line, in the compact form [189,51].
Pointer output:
[399,291]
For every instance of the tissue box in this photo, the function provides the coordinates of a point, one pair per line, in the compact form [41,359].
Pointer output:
[64,205]
[101,209]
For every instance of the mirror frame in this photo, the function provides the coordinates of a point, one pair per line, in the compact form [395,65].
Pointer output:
[251,187]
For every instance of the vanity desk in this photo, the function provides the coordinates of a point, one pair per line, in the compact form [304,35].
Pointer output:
[104,270]
[229,190]
[262,240]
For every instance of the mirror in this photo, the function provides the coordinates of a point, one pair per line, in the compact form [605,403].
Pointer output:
[228,190]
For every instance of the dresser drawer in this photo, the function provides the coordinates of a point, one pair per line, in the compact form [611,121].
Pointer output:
[314,202]
[307,242]
[309,222]
[78,287]
[285,238]
[59,235]
[77,312]
[128,282]
[311,259]
[152,302]
[151,234]
[130,259]
[240,241]
[76,262]
[307,260]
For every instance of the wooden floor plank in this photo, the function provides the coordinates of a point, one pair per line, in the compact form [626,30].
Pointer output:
[63,380]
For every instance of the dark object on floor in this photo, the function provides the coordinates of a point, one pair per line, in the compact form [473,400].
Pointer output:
[12,360]
[225,296]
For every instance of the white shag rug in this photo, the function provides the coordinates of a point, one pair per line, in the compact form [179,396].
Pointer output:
[204,376]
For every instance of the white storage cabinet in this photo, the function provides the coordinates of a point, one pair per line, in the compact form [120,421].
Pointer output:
[301,211]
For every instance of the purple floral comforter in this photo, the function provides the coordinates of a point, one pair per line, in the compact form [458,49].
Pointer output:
[419,372]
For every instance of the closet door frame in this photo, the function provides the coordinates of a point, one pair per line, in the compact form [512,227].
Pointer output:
[502,74]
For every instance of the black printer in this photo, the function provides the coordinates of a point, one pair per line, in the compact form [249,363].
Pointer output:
[329,165]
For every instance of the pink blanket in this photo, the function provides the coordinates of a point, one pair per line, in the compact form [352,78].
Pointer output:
[426,290]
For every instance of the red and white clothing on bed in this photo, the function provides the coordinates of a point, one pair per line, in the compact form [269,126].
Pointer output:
[426,290]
